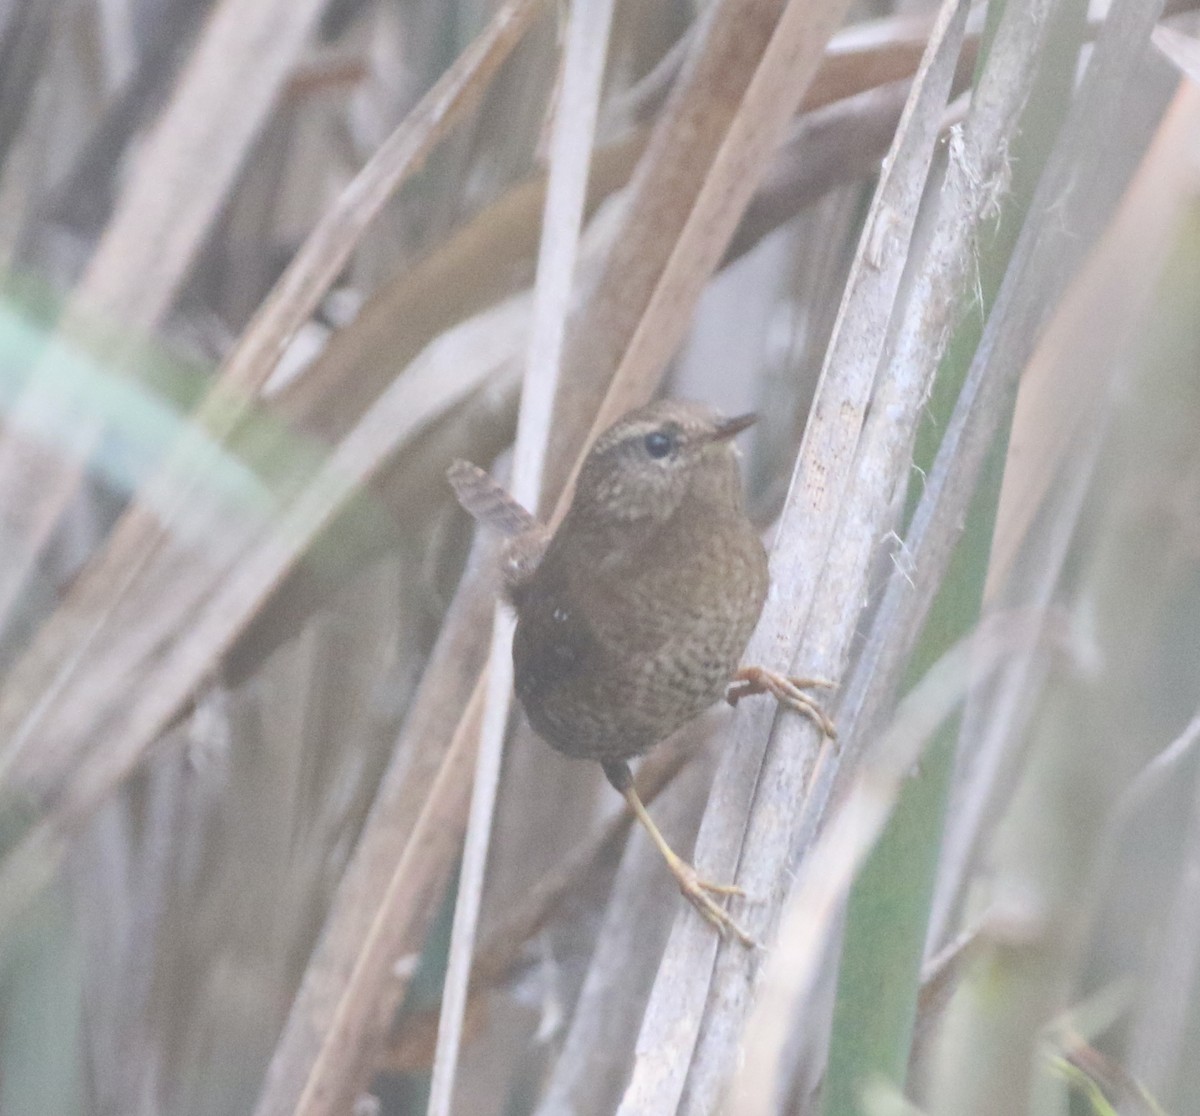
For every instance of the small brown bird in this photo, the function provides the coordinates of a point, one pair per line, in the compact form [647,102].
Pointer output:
[633,614]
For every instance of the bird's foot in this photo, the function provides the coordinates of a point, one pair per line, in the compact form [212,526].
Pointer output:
[699,892]
[786,690]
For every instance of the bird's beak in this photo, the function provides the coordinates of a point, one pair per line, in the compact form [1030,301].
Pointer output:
[731,427]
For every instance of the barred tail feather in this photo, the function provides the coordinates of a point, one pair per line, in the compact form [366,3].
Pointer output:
[487,501]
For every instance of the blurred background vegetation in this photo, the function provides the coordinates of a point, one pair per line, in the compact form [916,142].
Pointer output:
[266,269]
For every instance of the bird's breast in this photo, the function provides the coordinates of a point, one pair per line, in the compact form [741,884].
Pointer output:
[618,645]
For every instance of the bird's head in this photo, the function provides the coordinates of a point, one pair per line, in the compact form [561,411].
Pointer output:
[644,466]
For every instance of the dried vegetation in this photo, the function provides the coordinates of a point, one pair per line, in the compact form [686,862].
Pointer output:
[270,265]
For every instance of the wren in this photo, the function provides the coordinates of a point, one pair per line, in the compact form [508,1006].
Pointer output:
[632,615]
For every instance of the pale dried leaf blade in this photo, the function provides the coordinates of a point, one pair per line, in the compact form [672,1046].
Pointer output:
[1060,399]
[791,771]
[1073,200]
[1181,50]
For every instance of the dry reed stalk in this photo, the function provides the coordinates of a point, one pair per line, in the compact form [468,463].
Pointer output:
[71,765]
[145,696]
[784,71]
[1079,180]
[490,255]
[834,859]
[975,174]
[570,157]
[722,55]
[674,152]
[180,182]
[665,1048]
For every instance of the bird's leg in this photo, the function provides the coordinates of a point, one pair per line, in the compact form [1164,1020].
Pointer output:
[787,691]
[697,891]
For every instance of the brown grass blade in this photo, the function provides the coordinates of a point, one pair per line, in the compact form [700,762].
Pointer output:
[787,66]
[865,55]
[140,554]
[492,254]
[92,734]
[344,1007]
[326,251]
[162,218]
[726,48]
[350,1042]
[876,52]
[501,950]
[589,1073]
[196,148]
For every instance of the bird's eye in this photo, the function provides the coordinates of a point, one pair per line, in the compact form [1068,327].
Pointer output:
[659,444]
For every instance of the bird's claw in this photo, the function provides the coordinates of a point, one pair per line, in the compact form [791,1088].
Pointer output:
[786,690]
[700,892]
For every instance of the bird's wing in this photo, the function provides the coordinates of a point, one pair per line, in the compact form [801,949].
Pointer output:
[553,642]
[487,501]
